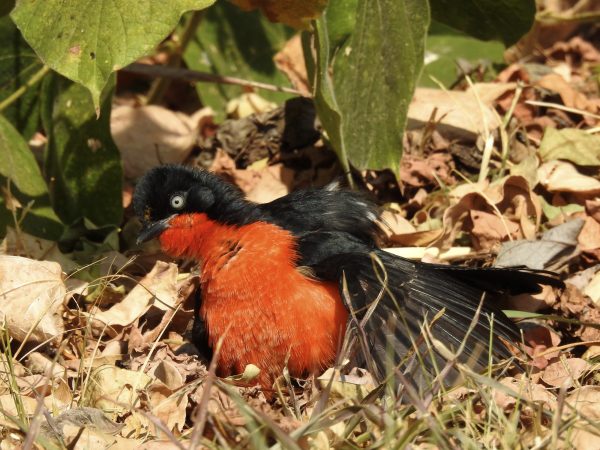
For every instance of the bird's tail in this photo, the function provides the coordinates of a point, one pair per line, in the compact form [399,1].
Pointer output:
[412,318]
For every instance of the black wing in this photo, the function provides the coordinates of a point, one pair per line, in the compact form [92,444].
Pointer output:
[323,210]
[392,297]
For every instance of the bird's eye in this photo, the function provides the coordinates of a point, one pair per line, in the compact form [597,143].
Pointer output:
[177,201]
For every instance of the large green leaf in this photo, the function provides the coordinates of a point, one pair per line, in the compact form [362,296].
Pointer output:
[445,47]
[240,44]
[20,178]
[505,20]
[18,63]
[82,161]
[86,40]
[374,77]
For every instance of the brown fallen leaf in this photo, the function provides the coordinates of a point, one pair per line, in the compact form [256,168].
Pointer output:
[565,372]
[148,136]
[506,208]
[524,388]
[589,238]
[459,114]
[290,61]
[167,406]
[158,288]
[584,402]
[31,299]
[561,176]
[114,390]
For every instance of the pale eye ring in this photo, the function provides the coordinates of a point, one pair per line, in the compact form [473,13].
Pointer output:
[177,201]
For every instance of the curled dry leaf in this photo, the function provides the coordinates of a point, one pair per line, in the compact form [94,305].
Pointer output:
[148,136]
[565,372]
[158,288]
[561,176]
[31,299]
[506,208]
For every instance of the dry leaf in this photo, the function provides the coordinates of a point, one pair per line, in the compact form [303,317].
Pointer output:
[570,144]
[589,237]
[168,374]
[505,208]
[291,12]
[115,390]
[23,244]
[85,438]
[152,135]
[458,114]
[585,402]
[290,61]
[169,407]
[565,372]
[158,288]
[31,299]
[561,176]
[247,104]
[355,385]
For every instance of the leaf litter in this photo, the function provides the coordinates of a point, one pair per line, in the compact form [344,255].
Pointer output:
[102,355]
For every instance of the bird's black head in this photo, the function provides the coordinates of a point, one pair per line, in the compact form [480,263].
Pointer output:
[170,190]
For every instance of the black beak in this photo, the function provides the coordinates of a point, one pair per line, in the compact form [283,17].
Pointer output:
[152,230]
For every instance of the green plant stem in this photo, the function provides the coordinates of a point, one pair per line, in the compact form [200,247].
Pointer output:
[36,78]
[160,85]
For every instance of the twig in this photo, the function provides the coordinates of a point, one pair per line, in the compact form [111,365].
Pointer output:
[160,86]
[36,78]
[193,76]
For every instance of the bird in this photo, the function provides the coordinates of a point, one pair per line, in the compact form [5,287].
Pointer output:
[287,284]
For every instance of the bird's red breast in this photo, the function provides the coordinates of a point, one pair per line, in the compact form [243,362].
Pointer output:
[253,295]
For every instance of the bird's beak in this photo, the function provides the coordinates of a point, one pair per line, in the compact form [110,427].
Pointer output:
[152,230]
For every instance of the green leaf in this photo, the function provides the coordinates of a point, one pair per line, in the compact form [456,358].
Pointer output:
[341,23]
[504,20]
[81,158]
[20,177]
[18,63]
[445,47]
[374,77]
[572,145]
[240,44]
[87,40]
[324,97]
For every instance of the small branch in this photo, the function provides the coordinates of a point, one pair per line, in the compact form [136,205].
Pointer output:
[195,76]
[160,86]
[36,78]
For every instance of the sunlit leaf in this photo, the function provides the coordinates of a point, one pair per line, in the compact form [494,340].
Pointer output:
[375,75]
[86,41]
